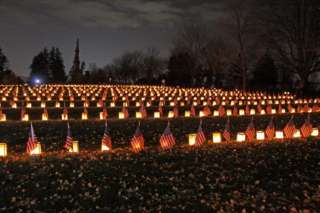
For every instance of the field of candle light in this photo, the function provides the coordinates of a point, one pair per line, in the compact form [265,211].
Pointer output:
[267,175]
[89,133]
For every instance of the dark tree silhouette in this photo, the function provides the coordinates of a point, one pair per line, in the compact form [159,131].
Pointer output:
[293,31]
[40,67]
[179,66]
[265,74]
[4,63]
[56,66]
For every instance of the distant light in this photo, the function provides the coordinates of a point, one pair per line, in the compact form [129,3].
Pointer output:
[37,81]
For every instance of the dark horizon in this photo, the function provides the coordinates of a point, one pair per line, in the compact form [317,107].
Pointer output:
[106,29]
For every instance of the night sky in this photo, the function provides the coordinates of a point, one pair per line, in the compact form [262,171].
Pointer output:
[106,28]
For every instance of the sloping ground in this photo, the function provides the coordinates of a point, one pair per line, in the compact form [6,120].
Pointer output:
[265,177]
[52,134]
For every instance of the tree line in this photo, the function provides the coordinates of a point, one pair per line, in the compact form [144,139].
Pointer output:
[256,44]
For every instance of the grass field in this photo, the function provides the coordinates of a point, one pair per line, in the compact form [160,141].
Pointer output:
[261,177]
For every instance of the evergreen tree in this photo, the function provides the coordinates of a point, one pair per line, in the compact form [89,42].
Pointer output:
[265,74]
[56,66]
[40,67]
[4,63]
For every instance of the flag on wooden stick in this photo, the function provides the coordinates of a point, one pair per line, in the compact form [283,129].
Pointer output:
[68,142]
[270,130]
[250,131]
[200,137]
[167,140]
[226,132]
[106,139]
[137,141]
[306,128]
[32,140]
[289,128]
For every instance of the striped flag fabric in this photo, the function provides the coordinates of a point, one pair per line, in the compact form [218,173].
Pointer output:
[306,128]
[104,112]
[125,112]
[268,109]
[235,110]
[45,111]
[65,109]
[247,110]
[289,128]
[137,141]
[221,110]
[299,108]
[200,137]
[175,112]
[167,140]
[259,108]
[207,111]
[68,142]
[226,132]
[289,107]
[32,140]
[250,131]
[160,110]
[22,113]
[315,108]
[192,111]
[106,139]
[143,111]
[270,130]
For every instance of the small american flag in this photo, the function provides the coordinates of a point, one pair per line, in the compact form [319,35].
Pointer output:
[175,112]
[247,110]
[207,111]
[226,132]
[192,111]
[268,109]
[235,111]
[22,113]
[289,128]
[160,110]
[221,110]
[106,139]
[289,108]
[104,112]
[65,109]
[259,108]
[306,128]
[125,112]
[250,131]
[270,130]
[200,137]
[167,140]
[218,101]
[315,108]
[137,141]
[299,108]
[68,142]
[32,140]
[45,111]
[143,111]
